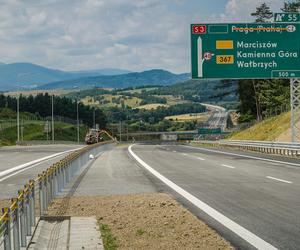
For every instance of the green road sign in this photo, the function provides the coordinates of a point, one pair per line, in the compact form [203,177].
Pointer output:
[209,131]
[245,51]
[287,17]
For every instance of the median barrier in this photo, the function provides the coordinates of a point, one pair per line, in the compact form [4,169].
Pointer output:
[18,222]
[266,147]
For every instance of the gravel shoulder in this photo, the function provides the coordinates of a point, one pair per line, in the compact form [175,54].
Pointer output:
[144,221]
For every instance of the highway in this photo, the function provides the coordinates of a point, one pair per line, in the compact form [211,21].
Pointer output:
[260,196]
[20,164]
[219,117]
[250,199]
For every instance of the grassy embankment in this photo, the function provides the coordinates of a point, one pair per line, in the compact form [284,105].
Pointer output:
[268,130]
[35,131]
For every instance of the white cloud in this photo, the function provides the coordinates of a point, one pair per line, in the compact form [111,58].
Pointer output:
[239,10]
[86,34]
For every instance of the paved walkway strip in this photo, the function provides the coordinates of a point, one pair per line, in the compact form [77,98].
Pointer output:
[67,233]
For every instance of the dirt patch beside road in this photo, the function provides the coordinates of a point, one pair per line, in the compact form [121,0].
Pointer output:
[146,221]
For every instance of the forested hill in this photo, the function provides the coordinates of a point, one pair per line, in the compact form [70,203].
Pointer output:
[40,105]
[210,91]
[151,77]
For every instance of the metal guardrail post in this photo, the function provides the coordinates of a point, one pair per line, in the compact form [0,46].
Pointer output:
[55,181]
[45,191]
[49,186]
[63,175]
[22,218]
[41,194]
[15,220]
[7,233]
[71,168]
[49,190]
[27,210]
[58,179]
[32,202]
[68,172]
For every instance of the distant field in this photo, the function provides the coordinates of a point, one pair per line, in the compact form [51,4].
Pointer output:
[152,106]
[57,92]
[172,100]
[89,101]
[201,117]
[138,91]
[132,102]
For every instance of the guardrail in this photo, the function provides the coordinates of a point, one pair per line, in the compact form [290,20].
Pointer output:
[267,147]
[18,221]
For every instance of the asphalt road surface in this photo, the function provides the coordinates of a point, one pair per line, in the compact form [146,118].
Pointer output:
[20,164]
[258,194]
[113,172]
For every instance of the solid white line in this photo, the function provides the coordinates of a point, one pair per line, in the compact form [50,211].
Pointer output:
[281,180]
[29,164]
[227,166]
[184,154]
[25,169]
[234,227]
[174,151]
[245,156]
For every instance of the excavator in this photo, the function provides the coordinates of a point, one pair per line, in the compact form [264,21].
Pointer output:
[96,135]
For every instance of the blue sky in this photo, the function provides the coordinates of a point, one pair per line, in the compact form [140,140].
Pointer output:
[131,34]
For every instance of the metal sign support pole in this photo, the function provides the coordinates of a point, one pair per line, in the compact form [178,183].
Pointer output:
[77,102]
[52,108]
[18,117]
[295,109]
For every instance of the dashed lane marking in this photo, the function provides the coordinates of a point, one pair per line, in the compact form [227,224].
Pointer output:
[227,166]
[281,180]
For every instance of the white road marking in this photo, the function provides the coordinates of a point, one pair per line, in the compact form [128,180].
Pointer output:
[199,158]
[245,156]
[227,166]
[31,164]
[253,239]
[281,180]
[25,169]
[174,151]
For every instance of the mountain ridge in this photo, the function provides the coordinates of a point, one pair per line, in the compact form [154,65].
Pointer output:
[24,75]
[27,76]
[134,79]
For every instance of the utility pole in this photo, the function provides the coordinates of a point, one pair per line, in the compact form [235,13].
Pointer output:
[18,117]
[53,118]
[22,131]
[77,121]
[120,131]
[94,118]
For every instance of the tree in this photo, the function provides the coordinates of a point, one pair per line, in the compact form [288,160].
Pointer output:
[263,13]
[291,6]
